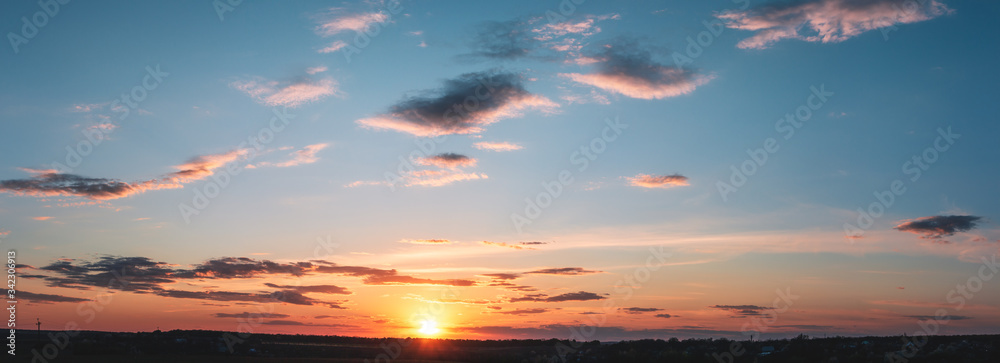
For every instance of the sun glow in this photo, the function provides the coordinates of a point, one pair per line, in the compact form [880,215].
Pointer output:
[429,327]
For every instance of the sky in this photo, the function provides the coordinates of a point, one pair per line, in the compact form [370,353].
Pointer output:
[525,169]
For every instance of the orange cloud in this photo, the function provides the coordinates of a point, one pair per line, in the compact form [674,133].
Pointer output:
[658,181]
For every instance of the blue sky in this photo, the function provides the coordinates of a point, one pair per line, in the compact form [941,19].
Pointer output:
[896,76]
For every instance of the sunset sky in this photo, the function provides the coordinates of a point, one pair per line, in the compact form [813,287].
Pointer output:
[511,169]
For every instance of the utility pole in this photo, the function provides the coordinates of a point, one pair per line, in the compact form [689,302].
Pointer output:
[38,332]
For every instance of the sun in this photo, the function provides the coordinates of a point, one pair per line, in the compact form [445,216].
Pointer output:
[429,327]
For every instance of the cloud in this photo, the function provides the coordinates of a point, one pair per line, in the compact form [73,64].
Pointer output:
[324,289]
[665,316]
[497,146]
[447,161]
[48,183]
[515,39]
[933,317]
[626,68]
[306,155]
[42,218]
[658,181]
[524,311]
[572,271]
[505,40]
[507,245]
[46,298]
[332,25]
[826,21]
[936,227]
[334,46]
[426,241]
[288,93]
[502,276]
[744,310]
[464,105]
[570,296]
[249,315]
[640,310]
[317,69]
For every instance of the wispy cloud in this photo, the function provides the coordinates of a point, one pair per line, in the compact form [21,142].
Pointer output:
[826,21]
[497,146]
[570,296]
[293,93]
[336,22]
[306,155]
[427,241]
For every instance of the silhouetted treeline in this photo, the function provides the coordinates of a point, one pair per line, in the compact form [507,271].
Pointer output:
[210,346]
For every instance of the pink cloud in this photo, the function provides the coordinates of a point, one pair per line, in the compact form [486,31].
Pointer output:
[827,21]
[305,156]
[497,146]
[289,94]
[355,22]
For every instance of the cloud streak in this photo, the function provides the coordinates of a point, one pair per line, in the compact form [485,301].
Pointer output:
[937,227]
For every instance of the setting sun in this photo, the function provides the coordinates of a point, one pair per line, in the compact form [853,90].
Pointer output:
[429,327]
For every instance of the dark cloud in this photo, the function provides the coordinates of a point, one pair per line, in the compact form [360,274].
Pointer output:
[502,276]
[447,161]
[936,227]
[640,310]
[571,296]
[627,68]
[48,183]
[742,310]
[932,317]
[533,243]
[506,40]
[524,311]
[146,276]
[663,316]
[563,271]
[464,105]
[46,298]
[325,289]
[603,333]
[249,315]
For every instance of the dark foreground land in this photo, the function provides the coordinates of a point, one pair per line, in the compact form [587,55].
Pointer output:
[212,346]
